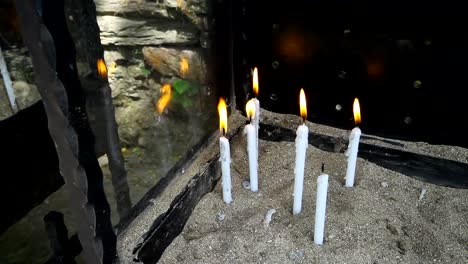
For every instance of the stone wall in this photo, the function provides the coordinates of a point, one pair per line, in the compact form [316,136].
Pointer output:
[147,44]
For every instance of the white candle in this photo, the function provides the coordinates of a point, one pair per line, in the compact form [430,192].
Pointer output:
[351,153]
[225,153]
[256,117]
[225,158]
[320,208]
[252,152]
[301,147]
[252,149]
[302,139]
[353,145]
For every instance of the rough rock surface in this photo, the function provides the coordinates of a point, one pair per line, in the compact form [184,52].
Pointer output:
[133,32]
[130,30]
[176,62]
[19,65]
[26,94]
[5,108]
[153,8]
[131,7]
[21,73]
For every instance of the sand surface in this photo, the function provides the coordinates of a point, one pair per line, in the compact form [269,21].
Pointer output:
[132,235]
[381,220]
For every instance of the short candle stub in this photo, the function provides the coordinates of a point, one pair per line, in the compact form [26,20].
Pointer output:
[320,208]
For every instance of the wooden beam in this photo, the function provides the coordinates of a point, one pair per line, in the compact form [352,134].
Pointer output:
[170,224]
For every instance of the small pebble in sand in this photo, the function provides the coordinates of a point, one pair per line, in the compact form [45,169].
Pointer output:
[220,216]
[197,254]
[296,255]
[384,184]
[422,194]
[183,255]
[268,217]
[246,185]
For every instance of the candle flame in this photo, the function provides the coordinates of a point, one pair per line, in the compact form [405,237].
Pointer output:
[101,68]
[303,105]
[255,81]
[184,67]
[222,110]
[166,94]
[357,112]
[250,109]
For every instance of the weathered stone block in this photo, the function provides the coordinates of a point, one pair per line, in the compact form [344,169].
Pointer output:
[131,8]
[186,64]
[121,31]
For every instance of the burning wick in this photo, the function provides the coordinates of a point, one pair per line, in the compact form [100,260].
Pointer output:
[353,145]
[225,152]
[301,148]
[252,150]
[303,106]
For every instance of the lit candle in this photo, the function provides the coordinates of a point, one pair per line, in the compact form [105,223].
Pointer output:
[256,118]
[252,140]
[301,148]
[320,208]
[225,153]
[353,145]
